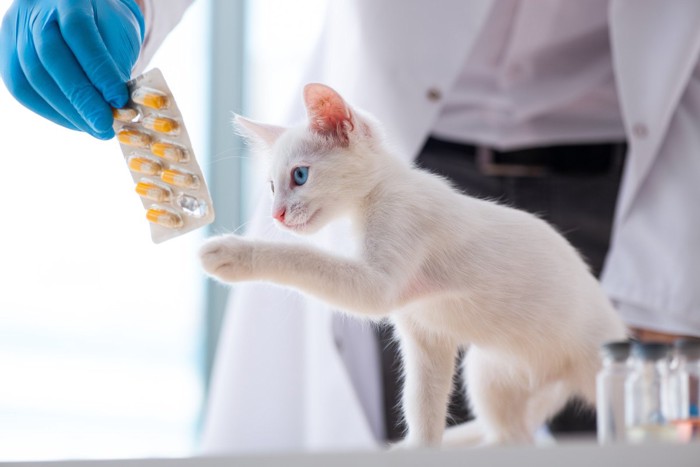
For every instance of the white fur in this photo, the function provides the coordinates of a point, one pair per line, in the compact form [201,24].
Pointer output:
[449,270]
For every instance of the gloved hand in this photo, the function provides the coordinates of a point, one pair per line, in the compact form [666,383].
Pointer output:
[69,60]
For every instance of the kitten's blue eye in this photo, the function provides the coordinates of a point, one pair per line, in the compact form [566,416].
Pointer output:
[300,175]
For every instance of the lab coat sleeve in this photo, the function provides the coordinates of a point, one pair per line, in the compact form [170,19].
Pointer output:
[653,268]
[653,264]
[161,17]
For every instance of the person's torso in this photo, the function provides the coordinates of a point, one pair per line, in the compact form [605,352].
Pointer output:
[539,73]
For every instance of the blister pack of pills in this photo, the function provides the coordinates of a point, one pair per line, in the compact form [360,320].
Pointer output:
[158,152]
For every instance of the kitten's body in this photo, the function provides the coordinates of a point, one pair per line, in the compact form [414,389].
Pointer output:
[449,270]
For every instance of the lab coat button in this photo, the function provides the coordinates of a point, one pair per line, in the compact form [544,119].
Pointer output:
[434,94]
[640,130]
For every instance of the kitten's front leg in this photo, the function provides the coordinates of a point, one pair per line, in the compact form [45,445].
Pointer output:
[429,362]
[229,258]
[350,284]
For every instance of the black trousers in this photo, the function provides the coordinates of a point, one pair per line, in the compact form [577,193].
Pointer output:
[572,187]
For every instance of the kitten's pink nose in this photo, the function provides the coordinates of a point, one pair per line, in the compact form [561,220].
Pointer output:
[279,214]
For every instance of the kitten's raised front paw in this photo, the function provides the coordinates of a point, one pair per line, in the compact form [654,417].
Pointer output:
[228,258]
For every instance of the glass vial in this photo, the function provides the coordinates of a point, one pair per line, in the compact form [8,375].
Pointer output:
[610,392]
[646,394]
[684,390]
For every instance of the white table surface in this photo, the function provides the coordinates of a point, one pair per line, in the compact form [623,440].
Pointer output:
[574,455]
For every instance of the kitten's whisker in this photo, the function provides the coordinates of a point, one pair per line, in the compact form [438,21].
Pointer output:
[222,159]
[220,230]
[238,153]
[242,227]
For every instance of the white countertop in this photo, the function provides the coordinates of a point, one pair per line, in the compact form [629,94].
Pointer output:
[572,455]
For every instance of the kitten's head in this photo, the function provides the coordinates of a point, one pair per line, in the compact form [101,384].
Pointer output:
[322,169]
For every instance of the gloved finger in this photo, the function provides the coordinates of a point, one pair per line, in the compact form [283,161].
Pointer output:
[84,40]
[21,89]
[45,87]
[70,78]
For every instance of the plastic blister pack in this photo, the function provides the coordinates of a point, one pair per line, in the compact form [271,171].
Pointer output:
[158,152]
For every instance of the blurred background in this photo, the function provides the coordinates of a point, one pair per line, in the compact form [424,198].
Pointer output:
[107,340]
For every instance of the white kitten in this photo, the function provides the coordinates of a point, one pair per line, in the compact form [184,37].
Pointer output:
[449,270]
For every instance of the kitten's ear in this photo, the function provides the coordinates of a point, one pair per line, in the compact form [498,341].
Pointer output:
[256,131]
[328,113]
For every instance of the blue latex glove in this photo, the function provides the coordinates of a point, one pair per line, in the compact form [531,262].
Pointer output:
[69,60]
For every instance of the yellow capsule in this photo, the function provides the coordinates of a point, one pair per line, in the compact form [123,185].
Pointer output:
[125,115]
[181,179]
[164,218]
[152,191]
[161,124]
[133,138]
[169,152]
[150,98]
[144,166]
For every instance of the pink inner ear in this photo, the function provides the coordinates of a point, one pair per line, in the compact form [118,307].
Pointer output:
[327,111]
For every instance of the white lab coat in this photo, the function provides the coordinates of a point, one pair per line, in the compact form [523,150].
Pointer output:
[280,383]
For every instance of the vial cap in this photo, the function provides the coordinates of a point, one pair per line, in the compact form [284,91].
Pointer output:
[650,350]
[617,350]
[688,347]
